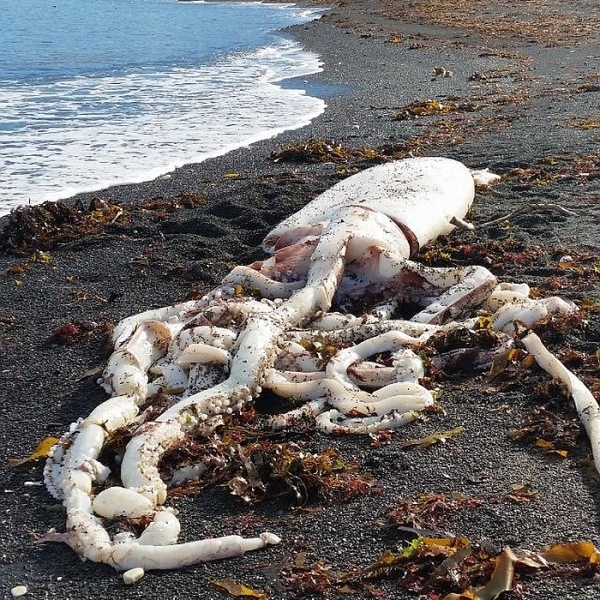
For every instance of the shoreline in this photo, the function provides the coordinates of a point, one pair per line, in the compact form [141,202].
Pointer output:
[524,109]
[176,129]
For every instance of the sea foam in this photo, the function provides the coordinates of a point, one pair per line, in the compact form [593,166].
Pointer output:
[62,136]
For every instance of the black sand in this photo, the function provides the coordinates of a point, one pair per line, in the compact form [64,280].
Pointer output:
[524,101]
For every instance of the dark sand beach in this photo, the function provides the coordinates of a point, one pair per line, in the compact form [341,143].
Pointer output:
[522,97]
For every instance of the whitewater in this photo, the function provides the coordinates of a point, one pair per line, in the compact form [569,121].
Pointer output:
[96,93]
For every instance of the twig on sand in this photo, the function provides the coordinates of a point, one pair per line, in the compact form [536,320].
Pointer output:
[528,209]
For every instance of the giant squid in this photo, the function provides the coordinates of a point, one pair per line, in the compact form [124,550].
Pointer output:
[214,356]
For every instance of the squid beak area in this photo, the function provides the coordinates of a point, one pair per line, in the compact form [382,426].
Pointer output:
[274,242]
[290,262]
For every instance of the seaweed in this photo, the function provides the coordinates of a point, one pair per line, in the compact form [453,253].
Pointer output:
[440,568]
[429,511]
[320,151]
[553,431]
[69,333]
[543,22]
[53,224]
[424,108]
[255,468]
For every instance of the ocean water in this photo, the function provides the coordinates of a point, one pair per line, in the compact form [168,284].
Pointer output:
[102,92]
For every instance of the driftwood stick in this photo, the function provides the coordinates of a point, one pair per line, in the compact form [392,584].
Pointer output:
[530,208]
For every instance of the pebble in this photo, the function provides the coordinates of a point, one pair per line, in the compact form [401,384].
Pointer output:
[18,590]
[133,575]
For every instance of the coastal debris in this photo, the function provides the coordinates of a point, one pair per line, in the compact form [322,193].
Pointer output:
[582,551]
[42,451]
[545,23]
[169,205]
[256,470]
[456,568]
[500,581]
[439,437]
[238,590]
[550,430]
[423,108]
[318,151]
[53,224]
[69,333]
[430,511]
[556,168]
[586,124]
[442,72]
[585,403]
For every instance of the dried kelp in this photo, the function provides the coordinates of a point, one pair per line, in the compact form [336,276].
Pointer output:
[455,568]
[544,22]
[182,200]
[549,429]
[53,224]
[75,331]
[256,469]
[578,169]
[42,450]
[283,471]
[438,437]
[238,590]
[424,108]
[430,511]
[319,151]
